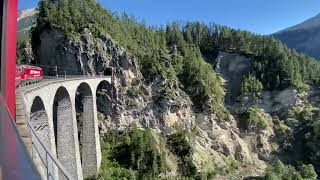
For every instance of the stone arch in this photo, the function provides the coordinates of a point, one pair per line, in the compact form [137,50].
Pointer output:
[64,130]
[87,128]
[40,123]
[105,96]
[39,120]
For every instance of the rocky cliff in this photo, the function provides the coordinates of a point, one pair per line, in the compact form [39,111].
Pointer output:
[133,100]
[173,114]
[26,20]
[233,67]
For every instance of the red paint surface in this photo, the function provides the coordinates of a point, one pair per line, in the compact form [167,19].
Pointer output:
[11,28]
[26,72]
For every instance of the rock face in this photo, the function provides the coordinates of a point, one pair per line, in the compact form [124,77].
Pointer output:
[223,139]
[26,20]
[232,67]
[270,101]
[91,56]
[275,101]
[131,100]
[27,54]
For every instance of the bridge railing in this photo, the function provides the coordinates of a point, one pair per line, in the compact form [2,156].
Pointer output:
[72,76]
[50,168]
[56,78]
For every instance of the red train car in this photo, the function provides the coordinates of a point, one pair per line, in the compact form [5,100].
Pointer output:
[26,74]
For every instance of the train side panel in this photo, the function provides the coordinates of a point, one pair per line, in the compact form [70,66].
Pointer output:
[33,73]
[18,76]
[28,74]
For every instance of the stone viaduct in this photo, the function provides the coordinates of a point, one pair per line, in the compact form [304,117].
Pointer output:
[51,106]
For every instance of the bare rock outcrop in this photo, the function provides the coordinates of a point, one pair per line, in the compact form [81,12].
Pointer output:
[27,54]
[232,67]
[131,100]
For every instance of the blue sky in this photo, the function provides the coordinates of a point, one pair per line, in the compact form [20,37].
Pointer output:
[260,16]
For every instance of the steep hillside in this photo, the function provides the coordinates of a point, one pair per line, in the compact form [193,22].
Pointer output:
[304,37]
[26,20]
[189,100]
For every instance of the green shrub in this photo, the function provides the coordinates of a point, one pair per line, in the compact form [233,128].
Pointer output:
[132,154]
[312,145]
[251,85]
[200,81]
[181,147]
[308,172]
[165,93]
[180,144]
[278,170]
[303,113]
[20,58]
[115,172]
[279,126]
[135,91]
[252,118]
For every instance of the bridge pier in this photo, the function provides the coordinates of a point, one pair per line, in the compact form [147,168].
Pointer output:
[91,145]
[40,123]
[67,133]
[54,122]
[91,152]
[96,132]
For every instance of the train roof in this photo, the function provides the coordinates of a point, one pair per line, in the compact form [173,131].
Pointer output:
[28,66]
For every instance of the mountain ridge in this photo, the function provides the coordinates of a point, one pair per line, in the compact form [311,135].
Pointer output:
[23,13]
[305,24]
[26,20]
[304,37]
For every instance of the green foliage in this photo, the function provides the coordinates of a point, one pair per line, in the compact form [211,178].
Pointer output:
[164,93]
[287,172]
[204,86]
[20,56]
[135,91]
[301,115]
[279,126]
[181,146]
[313,144]
[180,143]
[213,167]
[275,65]
[184,68]
[174,55]
[113,171]
[230,166]
[252,118]
[304,139]
[251,85]
[133,154]
[308,172]
[79,117]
